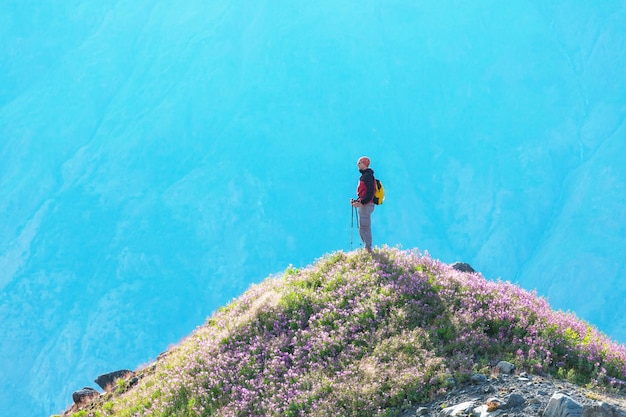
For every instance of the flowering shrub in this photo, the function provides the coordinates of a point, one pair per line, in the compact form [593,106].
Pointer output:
[363,335]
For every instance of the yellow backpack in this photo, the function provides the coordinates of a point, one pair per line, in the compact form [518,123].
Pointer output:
[379,192]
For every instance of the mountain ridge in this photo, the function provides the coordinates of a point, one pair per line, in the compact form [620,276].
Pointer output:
[364,335]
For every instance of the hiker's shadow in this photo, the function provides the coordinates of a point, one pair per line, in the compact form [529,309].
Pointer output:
[420,300]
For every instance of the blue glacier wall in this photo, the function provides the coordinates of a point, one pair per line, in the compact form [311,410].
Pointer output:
[156,158]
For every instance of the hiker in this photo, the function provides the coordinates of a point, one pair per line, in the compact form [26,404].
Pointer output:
[364,203]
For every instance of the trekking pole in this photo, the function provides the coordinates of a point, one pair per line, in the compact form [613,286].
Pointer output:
[351,228]
[356,215]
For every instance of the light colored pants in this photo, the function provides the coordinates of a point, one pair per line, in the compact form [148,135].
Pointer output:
[365,224]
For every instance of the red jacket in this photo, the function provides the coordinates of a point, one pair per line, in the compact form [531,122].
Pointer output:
[365,189]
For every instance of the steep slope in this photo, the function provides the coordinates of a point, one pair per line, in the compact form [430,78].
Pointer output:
[361,335]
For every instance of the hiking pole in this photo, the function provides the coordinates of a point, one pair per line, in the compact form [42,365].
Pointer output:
[351,227]
[355,213]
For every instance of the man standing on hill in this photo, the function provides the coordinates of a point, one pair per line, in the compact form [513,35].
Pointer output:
[365,201]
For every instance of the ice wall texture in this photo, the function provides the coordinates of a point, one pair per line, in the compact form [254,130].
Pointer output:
[157,158]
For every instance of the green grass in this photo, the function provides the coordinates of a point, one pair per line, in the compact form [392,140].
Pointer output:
[362,335]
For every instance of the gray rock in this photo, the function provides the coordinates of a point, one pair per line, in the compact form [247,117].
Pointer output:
[488,389]
[84,395]
[482,411]
[494,400]
[107,381]
[506,367]
[463,267]
[560,405]
[515,400]
[601,409]
[479,379]
[462,408]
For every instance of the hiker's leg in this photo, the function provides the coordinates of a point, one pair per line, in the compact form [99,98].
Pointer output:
[365,225]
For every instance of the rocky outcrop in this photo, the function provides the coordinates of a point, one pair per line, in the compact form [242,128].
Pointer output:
[505,394]
[560,405]
[118,381]
[84,396]
[462,266]
[107,381]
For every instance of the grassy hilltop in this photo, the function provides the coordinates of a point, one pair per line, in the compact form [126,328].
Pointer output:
[361,335]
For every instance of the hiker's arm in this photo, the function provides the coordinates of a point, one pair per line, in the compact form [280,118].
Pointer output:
[370,188]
